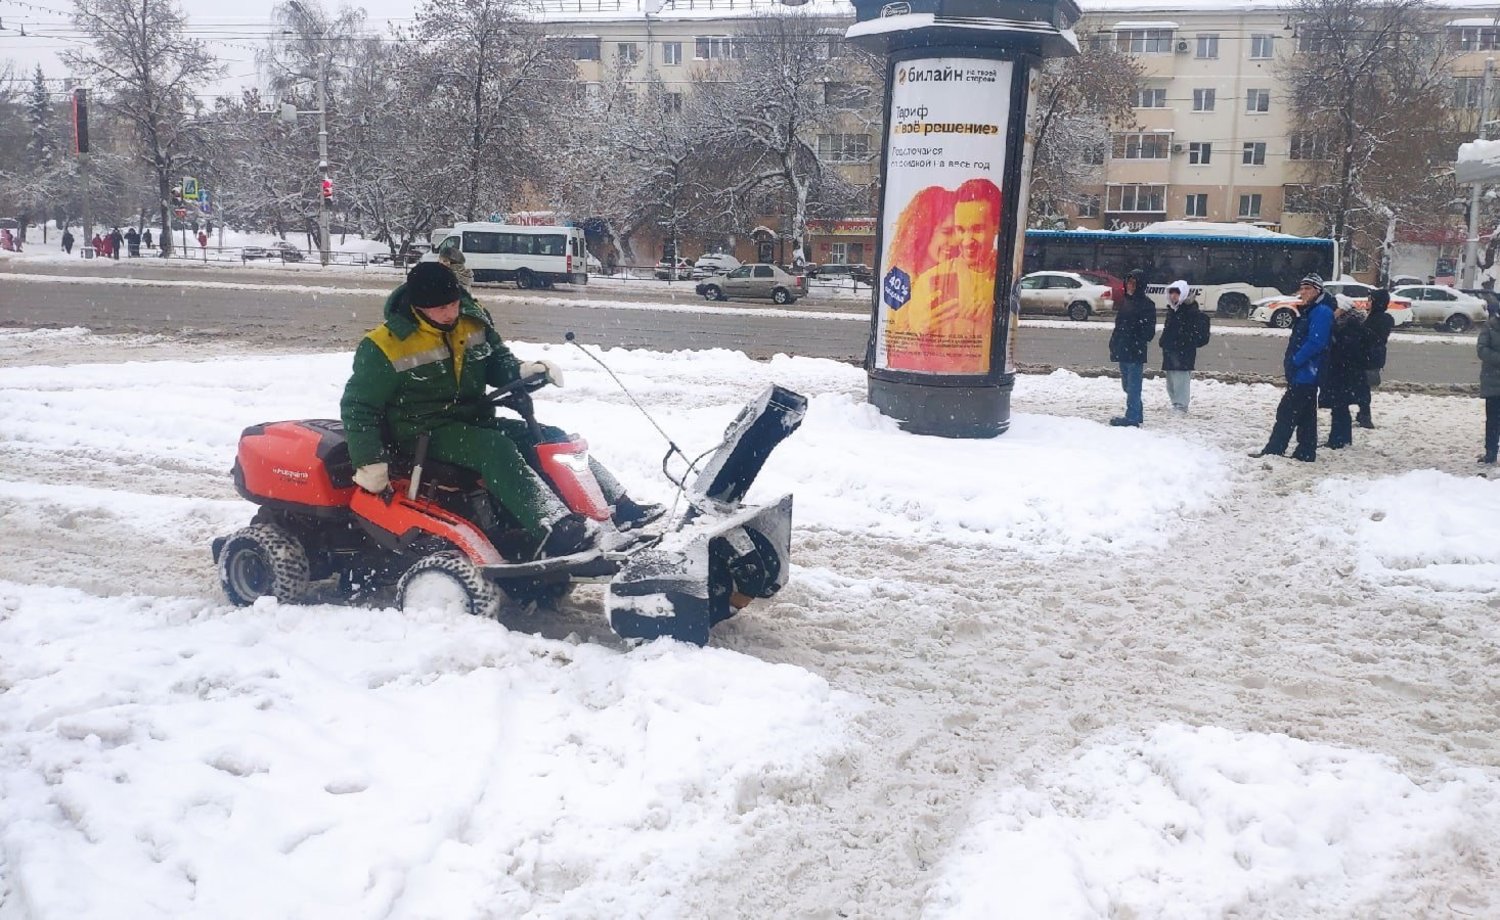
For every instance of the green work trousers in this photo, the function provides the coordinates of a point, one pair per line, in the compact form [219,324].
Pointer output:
[494,451]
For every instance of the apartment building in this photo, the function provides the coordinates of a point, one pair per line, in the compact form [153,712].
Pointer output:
[681,42]
[1216,140]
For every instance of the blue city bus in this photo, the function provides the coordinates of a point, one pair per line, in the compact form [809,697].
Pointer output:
[1229,266]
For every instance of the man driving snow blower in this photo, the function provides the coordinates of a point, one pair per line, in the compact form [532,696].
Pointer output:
[425,371]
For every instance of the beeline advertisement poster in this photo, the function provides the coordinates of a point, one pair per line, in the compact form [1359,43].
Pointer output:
[944,169]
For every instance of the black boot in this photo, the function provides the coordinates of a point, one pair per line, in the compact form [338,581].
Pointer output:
[629,514]
[569,535]
[1487,458]
[1363,420]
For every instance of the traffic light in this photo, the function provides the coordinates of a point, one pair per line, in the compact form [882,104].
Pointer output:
[327,189]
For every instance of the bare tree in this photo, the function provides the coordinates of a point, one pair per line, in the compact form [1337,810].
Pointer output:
[143,59]
[1078,101]
[775,126]
[493,77]
[1370,91]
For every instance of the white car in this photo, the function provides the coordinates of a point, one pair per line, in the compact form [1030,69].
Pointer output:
[715,263]
[1281,312]
[1442,306]
[1066,294]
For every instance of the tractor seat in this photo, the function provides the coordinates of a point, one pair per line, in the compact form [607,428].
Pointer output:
[439,474]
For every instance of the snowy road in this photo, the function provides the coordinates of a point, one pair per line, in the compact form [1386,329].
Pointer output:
[269,309]
[1072,672]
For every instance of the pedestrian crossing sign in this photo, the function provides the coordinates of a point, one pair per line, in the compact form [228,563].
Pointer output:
[190,189]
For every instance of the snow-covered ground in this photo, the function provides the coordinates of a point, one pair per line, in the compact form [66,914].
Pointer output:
[1074,671]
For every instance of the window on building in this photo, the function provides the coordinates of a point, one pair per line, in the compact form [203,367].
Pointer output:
[1093,155]
[1144,41]
[1145,146]
[1258,100]
[1088,206]
[627,52]
[1300,199]
[1141,199]
[1475,38]
[713,48]
[1151,97]
[1200,152]
[1467,92]
[827,47]
[1208,46]
[1312,40]
[1254,153]
[672,103]
[584,49]
[1197,205]
[1098,41]
[1262,47]
[671,53]
[1250,205]
[843,95]
[843,148]
[1203,100]
[1308,146]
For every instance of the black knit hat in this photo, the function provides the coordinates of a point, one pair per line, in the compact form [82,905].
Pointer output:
[432,284]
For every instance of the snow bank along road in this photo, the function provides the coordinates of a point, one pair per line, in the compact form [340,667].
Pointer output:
[280,310]
[1072,672]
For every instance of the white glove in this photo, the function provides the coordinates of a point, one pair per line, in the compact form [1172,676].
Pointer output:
[373,477]
[552,371]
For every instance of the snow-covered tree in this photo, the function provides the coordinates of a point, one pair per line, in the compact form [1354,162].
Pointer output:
[146,67]
[488,91]
[1078,100]
[769,108]
[1371,97]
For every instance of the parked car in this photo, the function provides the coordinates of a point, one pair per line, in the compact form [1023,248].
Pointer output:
[845,271]
[1281,311]
[665,271]
[1065,293]
[1405,281]
[1489,297]
[280,249]
[1442,306]
[755,281]
[715,263]
[1115,284]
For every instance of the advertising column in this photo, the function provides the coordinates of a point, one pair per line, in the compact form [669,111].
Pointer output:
[942,214]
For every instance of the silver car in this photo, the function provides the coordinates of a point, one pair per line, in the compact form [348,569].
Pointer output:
[1443,306]
[754,282]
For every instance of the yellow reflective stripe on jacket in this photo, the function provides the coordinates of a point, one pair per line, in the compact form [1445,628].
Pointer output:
[429,344]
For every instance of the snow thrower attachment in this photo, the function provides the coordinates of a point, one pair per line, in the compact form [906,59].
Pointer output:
[723,554]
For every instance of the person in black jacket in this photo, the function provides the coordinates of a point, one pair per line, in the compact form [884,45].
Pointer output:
[1343,383]
[1135,327]
[1377,331]
[1185,330]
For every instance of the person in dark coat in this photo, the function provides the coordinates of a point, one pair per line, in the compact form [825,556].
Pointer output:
[1135,327]
[1489,382]
[67,241]
[133,240]
[1185,330]
[146,239]
[1343,384]
[116,240]
[1377,332]
[1306,352]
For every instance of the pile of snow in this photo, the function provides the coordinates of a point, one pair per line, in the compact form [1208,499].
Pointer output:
[167,757]
[1445,542]
[1204,822]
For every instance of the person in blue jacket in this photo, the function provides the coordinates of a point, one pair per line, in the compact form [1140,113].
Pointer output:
[1304,362]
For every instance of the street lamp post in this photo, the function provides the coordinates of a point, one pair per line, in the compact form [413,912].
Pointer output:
[289,112]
